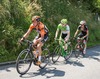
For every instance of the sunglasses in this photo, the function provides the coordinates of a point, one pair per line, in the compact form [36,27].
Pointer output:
[63,24]
[38,19]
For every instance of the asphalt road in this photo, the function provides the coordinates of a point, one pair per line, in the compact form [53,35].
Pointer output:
[75,68]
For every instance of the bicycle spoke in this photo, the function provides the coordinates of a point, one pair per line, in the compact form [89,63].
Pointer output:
[23,62]
[44,58]
[56,54]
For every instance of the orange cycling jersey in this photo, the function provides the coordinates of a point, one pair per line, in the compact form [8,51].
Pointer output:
[40,29]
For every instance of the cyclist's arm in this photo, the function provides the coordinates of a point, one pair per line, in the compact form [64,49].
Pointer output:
[26,34]
[76,33]
[56,33]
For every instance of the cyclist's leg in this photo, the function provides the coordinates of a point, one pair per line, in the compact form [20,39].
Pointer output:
[35,46]
[66,45]
[35,40]
[64,37]
[39,48]
[85,45]
[40,44]
[79,36]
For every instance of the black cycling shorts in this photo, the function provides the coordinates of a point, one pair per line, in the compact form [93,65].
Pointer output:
[63,36]
[44,39]
[82,35]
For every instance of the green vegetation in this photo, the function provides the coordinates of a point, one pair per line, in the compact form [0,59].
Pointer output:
[15,18]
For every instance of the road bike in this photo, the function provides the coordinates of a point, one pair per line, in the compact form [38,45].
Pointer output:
[26,57]
[59,50]
[79,47]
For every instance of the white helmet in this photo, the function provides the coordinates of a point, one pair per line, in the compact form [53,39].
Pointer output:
[83,22]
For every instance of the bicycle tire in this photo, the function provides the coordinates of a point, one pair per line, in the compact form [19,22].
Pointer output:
[44,58]
[69,52]
[24,59]
[56,54]
[78,51]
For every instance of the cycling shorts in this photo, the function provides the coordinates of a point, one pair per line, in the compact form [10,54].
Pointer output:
[82,35]
[63,36]
[44,39]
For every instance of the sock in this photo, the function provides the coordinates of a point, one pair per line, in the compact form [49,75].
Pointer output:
[84,51]
[39,58]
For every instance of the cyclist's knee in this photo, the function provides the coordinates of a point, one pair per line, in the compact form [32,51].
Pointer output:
[39,45]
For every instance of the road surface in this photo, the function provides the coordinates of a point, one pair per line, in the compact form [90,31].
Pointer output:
[75,68]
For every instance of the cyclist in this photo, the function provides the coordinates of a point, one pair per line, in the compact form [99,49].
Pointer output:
[65,31]
[83,34]
[40,39]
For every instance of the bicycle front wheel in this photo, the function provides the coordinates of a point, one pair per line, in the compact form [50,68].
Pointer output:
[68,52]
[77,51]
[23,62]
[56,54]
[44,58]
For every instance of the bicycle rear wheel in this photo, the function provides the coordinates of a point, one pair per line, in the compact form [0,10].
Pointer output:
[44,58]
[68,52]
[23,62]
[56,54]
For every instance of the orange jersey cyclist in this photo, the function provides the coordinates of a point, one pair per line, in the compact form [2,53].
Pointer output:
[40,39]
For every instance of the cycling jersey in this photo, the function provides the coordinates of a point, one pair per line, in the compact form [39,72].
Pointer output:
[64,29]
[83,32]
[83,29]
[41,29]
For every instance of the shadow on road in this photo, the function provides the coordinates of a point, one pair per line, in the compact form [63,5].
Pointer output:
[75,63]
[7,67]
[72,61]
[47,72]
[94,53]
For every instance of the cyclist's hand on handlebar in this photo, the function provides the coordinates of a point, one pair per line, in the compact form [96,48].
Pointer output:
[21,40]
[55,39]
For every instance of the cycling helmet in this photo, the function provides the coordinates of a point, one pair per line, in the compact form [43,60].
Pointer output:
[82,22]
[37,18]
[64,21]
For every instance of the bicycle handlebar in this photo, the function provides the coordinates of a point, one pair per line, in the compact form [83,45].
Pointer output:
[30,42]
[27,41]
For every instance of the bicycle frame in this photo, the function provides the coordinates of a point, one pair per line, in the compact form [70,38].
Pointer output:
[26,57]
[59,51]
[62,44]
